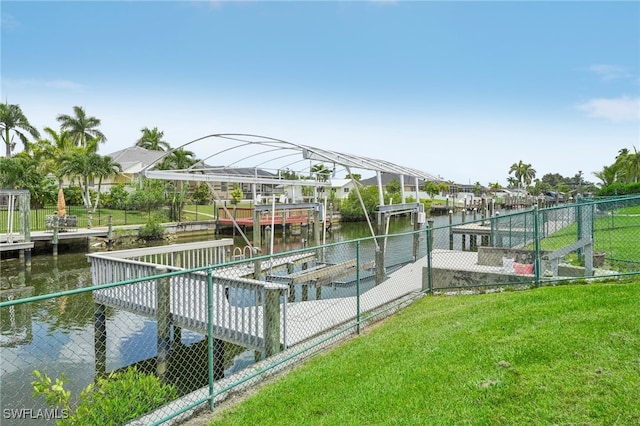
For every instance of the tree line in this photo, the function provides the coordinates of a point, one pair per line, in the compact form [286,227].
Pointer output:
[71,152]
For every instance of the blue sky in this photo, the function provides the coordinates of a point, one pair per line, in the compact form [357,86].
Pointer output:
[457,89]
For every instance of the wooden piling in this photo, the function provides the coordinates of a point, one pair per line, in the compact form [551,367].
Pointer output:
[163,310]
[272,320]
[100,340]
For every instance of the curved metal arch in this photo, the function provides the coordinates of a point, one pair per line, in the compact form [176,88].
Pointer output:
[308,152]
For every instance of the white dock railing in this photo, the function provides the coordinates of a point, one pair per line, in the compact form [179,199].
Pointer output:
[242,306]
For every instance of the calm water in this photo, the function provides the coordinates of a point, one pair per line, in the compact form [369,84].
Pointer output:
[56,335]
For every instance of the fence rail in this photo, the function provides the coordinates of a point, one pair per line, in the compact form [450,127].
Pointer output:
[208,325]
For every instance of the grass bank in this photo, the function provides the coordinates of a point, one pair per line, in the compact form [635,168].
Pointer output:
[554,355]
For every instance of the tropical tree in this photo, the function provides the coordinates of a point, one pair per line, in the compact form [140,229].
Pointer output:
[202,194]
[104,167]
[630,165]
[13,123]
[523,172]
[431,188]
[22,172]
[179,159]
[50,150]
[321,171]
[151,139]
[81,167]
[83,129]
[393,186]
[477,189]
[355,176]
[494,186]
[607,175]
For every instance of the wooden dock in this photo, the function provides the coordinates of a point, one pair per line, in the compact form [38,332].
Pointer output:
[240,303]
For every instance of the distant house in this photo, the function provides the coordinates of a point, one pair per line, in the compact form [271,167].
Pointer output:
[339,187]
[223,184]
[385,178]
[342,187]
[132,160]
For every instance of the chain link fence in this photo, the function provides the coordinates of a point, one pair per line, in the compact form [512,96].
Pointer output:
[193,325]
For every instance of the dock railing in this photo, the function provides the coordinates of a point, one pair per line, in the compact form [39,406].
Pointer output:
[217,328]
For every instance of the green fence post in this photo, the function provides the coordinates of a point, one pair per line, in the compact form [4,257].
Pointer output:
[358,286]
[427,283]
[536,244]
[579,220]
[210,337]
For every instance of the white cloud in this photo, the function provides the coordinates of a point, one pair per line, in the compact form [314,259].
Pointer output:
[35,84]
[610,72]
[9,22]
[617,110]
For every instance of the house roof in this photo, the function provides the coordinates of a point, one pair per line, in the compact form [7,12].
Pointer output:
[388,177]
[135,158]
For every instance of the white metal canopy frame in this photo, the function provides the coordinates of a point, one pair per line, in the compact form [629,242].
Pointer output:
[256,160]
[236,154]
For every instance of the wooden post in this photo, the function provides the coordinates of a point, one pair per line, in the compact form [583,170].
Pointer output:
[292,288]
[110,233]
[304,288]
[284,229]
[25,212]
[100,340]
[416,235]
[450,229]
[54,240]
[271,320]
[257,242]
[430,222]
[218,358]
[163,312]
[464,219]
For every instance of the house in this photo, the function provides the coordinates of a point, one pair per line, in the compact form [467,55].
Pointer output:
[339,188]
[132,160]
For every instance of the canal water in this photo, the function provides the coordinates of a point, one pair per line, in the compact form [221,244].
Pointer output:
[56,336]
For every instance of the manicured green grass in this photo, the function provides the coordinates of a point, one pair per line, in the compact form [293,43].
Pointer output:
[554,355]
[617,236]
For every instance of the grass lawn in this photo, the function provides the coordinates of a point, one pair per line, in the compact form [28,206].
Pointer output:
[553,355]
[617,236]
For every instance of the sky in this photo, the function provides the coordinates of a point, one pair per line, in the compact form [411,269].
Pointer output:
[460,90]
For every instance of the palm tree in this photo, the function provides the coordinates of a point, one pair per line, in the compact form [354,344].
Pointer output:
[80,166]
[104,167]
[523,172]
[152,140]
[494,186]
[179,159]
[630,163]
[607,175]
[321,171]
[83,129]
[13,120]
[50,151]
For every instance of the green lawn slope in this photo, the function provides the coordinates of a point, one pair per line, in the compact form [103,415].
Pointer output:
[567,355]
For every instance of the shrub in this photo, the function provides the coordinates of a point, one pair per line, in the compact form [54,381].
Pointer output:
[152,231]
[116,399]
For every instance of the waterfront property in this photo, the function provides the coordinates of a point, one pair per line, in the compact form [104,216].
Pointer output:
[193,302]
